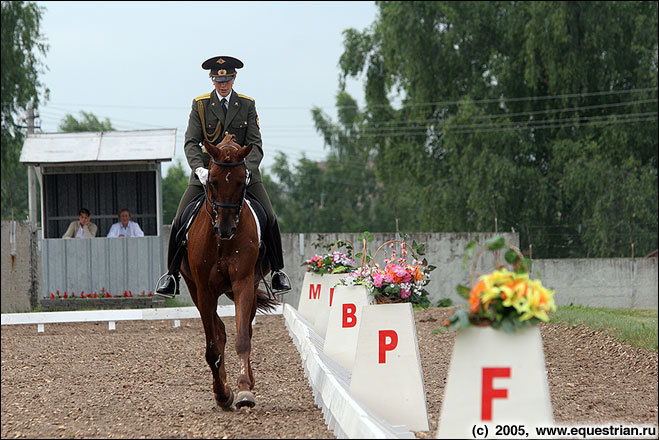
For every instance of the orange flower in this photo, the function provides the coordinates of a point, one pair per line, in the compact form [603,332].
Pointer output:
[474,298]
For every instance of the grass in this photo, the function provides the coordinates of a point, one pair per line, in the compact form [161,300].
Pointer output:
[637,327]
[175,302]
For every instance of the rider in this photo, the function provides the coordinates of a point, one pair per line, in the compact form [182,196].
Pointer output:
[213,115]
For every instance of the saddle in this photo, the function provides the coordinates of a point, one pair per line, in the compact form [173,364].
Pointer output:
[192,210]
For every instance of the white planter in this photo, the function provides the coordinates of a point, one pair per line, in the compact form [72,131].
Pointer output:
[343,323]
[387,375]
[495,378]
[314,288]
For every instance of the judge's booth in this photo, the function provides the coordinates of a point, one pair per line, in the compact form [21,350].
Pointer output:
[103,172]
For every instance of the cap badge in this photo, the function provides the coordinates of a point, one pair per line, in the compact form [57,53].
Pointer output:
[220,61]
[222,72]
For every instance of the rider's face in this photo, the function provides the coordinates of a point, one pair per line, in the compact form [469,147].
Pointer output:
[224,88]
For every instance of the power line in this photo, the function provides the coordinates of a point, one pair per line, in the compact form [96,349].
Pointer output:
[489,100]
[526,98]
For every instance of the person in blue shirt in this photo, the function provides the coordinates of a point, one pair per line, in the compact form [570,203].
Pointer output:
[125,227]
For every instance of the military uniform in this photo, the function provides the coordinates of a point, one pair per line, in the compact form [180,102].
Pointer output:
[242,121]
[208,121]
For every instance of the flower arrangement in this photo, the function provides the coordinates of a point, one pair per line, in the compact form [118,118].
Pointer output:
[503,299]
[331,262]
[104,294]
[397,281]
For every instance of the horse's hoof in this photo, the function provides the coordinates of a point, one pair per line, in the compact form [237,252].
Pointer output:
[245,399]
[228,404]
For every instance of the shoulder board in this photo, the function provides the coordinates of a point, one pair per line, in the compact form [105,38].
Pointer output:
[205,96]
[245,96]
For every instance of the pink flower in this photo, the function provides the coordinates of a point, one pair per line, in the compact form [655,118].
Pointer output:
[405,292]
[377,279]
[388,277]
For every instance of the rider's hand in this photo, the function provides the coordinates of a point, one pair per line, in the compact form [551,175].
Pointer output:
[202,174]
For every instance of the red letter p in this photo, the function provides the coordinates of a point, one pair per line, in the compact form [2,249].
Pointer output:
[384,346]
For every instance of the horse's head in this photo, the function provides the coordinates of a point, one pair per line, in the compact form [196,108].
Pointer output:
[228,178]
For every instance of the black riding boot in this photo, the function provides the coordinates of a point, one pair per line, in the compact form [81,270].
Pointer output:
[280,281]
[168,284]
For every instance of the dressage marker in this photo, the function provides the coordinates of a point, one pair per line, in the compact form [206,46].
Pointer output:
[326,300]
[314,288]
[387,374]
[344,322]
[495,378]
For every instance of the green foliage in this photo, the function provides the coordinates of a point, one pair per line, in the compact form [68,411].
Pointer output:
[88,122]
[444,302]
[537,117]
[174,185]
[21,65]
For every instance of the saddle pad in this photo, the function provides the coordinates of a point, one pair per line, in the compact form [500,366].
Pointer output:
[259,213]
[187,216]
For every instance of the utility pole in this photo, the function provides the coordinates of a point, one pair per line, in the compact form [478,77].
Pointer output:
[31,174]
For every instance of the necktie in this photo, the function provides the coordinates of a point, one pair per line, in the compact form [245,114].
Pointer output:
[223,103]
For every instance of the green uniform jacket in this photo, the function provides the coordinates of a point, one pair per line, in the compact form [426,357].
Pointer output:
[241,121]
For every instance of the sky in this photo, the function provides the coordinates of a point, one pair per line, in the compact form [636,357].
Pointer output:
[139,64]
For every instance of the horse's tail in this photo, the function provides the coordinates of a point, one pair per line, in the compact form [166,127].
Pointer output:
[265,302]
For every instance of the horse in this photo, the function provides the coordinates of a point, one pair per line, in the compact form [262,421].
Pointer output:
[223,258]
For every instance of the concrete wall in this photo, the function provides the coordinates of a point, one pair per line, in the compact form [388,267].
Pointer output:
[19,277]
[616,282]
[601,282]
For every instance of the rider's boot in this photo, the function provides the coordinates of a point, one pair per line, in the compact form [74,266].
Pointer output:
[280,281]
[168,284]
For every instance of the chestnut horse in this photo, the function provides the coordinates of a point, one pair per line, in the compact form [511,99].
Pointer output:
[223,258]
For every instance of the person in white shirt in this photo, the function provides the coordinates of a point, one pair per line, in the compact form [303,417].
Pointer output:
[125,227]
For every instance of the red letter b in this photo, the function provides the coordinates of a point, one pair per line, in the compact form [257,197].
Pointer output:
[349,318]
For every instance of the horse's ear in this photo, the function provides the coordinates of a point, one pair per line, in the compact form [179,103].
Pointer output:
[212,149]
[244,151]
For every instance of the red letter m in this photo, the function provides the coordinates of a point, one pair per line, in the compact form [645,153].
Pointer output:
[314,289]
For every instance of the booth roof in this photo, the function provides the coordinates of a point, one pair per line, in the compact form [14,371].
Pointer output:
[103,146]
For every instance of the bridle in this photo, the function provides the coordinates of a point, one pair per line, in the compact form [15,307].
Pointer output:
[215,220]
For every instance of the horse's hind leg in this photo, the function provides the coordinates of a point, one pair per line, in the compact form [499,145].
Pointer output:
[216,339]
[245,301]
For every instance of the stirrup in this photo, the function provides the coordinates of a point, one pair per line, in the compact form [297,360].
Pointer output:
[283,289]
[167,295]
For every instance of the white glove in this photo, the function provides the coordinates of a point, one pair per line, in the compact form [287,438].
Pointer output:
[202,173]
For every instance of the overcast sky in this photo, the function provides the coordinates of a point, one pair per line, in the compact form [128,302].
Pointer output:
[139,63]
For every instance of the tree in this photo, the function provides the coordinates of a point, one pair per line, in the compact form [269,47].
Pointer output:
[515,115]
[22,50]
[173,187]
[89,122]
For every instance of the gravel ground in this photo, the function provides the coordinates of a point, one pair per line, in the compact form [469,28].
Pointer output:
[148,379]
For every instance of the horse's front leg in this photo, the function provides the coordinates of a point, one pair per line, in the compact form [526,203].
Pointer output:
[245,303]
[216,339]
